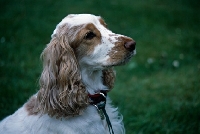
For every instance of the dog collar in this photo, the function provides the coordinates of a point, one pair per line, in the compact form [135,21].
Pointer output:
[98,97]
[99,101]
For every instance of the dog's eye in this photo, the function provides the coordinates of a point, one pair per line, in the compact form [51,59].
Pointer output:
[90,35]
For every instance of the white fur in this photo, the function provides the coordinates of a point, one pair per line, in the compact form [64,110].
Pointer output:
[89,121]
[76,19]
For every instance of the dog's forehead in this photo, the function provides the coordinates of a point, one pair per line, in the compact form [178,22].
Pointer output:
[79,19]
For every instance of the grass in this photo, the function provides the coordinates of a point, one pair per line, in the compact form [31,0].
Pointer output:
[157,92]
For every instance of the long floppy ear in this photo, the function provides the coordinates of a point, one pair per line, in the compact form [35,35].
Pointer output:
[62,92]
[109,77]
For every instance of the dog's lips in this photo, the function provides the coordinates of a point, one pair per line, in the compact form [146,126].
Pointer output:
[123,61]
[126,60]
[128,57]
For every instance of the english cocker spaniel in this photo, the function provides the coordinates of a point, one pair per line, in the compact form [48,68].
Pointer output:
[77,75]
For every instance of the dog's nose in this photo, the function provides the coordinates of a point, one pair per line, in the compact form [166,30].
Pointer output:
[130,45]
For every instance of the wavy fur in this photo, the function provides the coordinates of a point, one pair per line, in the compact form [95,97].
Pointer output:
[62,92]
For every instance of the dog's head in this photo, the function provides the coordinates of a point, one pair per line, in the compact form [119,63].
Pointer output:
[94,44]
[78,42]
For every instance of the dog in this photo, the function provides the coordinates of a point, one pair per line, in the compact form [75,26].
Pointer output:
[77,75]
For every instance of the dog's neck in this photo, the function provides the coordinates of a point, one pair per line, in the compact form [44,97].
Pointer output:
[93,80]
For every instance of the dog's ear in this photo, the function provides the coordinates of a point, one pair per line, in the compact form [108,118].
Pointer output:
[109,78]
[62,92]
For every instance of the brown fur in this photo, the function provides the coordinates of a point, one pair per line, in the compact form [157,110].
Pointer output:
[62,92]
[109,78]
[103,22]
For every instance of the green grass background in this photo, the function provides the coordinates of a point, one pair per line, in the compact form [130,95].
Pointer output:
[158,92]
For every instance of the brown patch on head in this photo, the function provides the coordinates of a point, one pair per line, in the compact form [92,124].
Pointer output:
[86,46]
[72,34]
[74,37]
[103,22]
[30,106]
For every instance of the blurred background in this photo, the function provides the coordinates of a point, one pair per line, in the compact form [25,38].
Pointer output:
[158,92]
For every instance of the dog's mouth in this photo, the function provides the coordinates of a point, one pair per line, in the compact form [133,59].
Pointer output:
[125,60]
[122,61]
